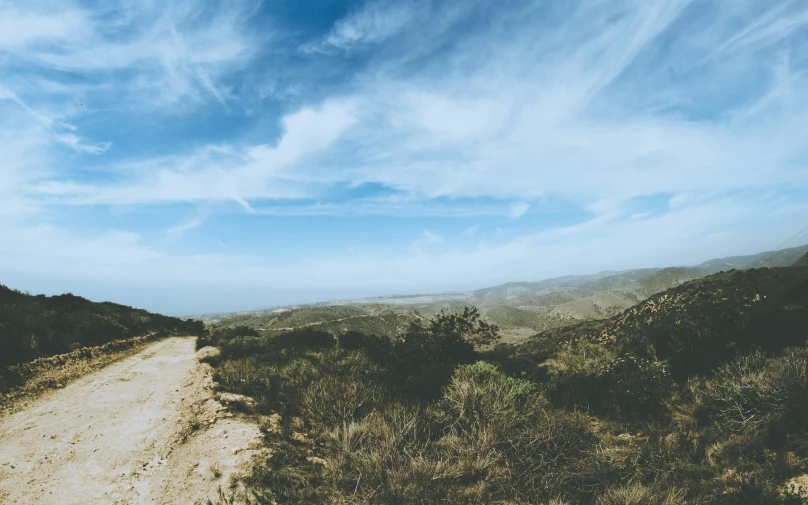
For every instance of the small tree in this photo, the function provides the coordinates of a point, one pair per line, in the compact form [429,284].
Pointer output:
[425,356]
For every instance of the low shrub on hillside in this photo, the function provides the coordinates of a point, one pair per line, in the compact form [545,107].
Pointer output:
[572,376]
[761,397]
[423,358]
[39,326]
[634,388]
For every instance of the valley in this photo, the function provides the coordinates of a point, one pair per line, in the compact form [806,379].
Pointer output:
[519,309]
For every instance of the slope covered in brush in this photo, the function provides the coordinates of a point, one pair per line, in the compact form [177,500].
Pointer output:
[698,325]
[35,326]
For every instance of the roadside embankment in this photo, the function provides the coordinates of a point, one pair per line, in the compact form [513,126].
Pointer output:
[24,382]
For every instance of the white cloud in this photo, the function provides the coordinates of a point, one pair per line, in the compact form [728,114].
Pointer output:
[471,230]
[689,235]
[518,210]
[59,131]
[75,142]
[515,127]
[227,173]
[428,239]
[575,110]
[189,224]
[375,22]
[177,53]
[22,28]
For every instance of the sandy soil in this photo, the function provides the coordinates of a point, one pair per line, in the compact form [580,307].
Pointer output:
[145,430]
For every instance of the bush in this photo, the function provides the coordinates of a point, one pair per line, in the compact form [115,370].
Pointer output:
[41,326]
[572,373]
[423,358]
[733,397]
[634,388]
[304,339]
[351,340]
[251,377]
[334,400]
[754,395]
[479,396]
[496,422]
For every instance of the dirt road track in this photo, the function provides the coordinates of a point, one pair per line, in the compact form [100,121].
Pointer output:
[124,435]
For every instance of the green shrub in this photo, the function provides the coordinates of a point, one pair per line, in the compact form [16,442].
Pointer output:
[334,400]
[203,342]
[754,395]
[41,326]
[734,397]
[635,388]
[423,358]
[479,396]
[495,422]
[304,339]
[572,376]
[352,340]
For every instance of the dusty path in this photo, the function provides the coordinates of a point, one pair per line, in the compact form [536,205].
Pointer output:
[124,435]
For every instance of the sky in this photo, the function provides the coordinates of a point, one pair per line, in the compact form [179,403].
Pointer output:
[191,157]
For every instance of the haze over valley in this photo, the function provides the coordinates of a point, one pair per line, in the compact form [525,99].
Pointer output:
[520,309]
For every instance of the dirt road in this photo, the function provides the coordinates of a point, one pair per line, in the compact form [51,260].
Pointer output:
[145,430]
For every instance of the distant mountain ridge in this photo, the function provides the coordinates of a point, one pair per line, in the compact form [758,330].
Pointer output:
[520,309]
[779,258]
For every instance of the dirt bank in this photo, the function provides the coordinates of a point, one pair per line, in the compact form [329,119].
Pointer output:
[20,384]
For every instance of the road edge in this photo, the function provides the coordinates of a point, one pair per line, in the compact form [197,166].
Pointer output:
[33,379]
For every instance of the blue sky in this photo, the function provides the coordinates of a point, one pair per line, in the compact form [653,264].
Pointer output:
[189,157]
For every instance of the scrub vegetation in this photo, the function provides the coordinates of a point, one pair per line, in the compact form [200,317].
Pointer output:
[40,326]
[696,395]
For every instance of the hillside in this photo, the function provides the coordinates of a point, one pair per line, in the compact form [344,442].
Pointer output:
[564,300]
[697,394]
[33,326]
[802,262]
[697,325]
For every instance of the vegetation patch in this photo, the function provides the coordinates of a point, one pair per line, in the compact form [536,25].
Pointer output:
[40,326]
[697,395]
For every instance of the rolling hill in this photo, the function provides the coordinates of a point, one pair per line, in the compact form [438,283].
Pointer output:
[33,326]
[520,309]
[699,324]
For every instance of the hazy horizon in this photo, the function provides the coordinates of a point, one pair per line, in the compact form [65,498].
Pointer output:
[190,157]
[222,303]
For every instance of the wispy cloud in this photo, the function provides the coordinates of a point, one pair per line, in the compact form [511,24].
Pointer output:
[178,50]
[59,131]
[422,111]
[373,23]
[22,27]
[518,210]
[427,239]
